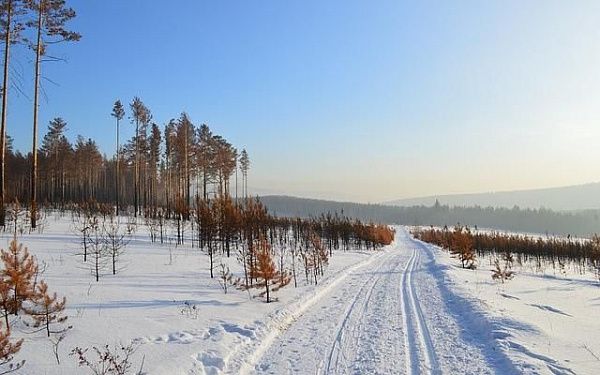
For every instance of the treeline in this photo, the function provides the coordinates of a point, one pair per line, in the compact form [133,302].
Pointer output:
[221,227]
[157,167]
[584,255]
[543,221]
[162,165]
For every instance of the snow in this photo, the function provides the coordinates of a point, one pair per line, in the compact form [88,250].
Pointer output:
[545,322]
[407,309]
[145,304]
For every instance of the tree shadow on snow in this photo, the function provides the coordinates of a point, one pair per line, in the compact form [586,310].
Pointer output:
[484,332]
[156,303]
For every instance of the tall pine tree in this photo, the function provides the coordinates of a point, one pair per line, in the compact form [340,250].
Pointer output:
[52,15]
[118,113]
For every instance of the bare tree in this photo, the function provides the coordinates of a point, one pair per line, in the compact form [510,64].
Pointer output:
[115,240]
[96,246]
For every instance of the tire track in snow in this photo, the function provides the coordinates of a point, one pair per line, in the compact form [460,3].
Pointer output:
[389,311]
[281,320]
[415,326]
[376,349]
[410,353]
[354,314]
[338,343]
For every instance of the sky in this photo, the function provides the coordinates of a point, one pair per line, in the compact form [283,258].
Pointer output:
[356,100]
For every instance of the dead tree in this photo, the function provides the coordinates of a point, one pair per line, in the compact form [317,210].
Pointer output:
[115,240]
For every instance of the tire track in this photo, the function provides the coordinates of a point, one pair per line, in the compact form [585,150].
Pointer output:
[409,347]
[379,331]
[338,343]
[383,314]
[419,349]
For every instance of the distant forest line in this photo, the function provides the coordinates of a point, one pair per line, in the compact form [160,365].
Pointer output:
[579,223]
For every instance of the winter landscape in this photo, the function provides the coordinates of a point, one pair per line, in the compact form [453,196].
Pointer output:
[270,187]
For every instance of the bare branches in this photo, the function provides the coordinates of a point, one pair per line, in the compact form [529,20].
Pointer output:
[107,360]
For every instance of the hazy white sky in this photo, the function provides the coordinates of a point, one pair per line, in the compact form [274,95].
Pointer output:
[358,100]
[484,96]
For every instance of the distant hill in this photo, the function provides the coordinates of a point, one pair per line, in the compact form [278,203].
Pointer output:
[581,223]
[567,198]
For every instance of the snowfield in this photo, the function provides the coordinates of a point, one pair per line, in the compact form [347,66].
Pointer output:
[547,322]
[407,309]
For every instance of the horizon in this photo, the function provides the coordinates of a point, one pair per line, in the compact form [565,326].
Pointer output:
[345,101]
[324,195]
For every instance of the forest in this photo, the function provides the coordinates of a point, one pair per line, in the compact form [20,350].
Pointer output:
[583,223]
[156,168]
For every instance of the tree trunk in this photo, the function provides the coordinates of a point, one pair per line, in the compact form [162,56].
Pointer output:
[38,53]
[267,288]
[117,181]
[4,104]
[48,322]
[137,170]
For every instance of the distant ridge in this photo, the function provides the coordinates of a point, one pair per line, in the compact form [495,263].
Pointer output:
[581,223]
[566,198]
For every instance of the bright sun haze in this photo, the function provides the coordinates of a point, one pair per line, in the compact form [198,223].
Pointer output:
[350,100]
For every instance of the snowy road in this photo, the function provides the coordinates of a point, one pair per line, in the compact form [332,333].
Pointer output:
[390,316]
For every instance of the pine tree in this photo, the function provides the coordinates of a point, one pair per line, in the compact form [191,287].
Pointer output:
[55,151]
[154,160]
[225,155]
[141,117]
[50,28]
[503,273]
[11,33]
[244,167]
[6,301]
[118,113]
[204,156]
[47,310]
[461,246]
[8,350]
[264,271]
[183,153]
[88,167]
[169,137]
[19,273]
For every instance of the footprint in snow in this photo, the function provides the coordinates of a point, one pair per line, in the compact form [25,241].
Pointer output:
[234,328]
[211,362]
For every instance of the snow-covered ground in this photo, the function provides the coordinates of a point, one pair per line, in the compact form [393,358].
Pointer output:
[547,322]
[407,309]
[163,301]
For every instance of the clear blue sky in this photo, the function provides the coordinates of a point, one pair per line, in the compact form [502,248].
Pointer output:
[360,100]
